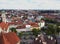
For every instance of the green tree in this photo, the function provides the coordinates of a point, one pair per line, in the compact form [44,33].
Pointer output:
[51,29]
[50,20]
[35,31]
[20,34]
[58,29]
[13,29]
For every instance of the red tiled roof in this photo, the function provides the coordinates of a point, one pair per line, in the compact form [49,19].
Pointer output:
[21,27]
[10,23]
[15,23]
[9,38]
[4,25]
[34,24]
[3,40]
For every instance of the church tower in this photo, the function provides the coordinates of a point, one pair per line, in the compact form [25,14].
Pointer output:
[3,16]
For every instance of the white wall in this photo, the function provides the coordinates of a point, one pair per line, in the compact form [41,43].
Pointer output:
[0,30]
[19,30]
[42,24]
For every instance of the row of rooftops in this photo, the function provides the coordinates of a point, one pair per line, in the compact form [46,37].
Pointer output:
[50,15]
[11,13]
[44,39]
[23,20]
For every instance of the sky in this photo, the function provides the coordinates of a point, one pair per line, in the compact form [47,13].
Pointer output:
[30,4]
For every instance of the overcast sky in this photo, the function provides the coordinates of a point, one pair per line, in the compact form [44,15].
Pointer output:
[30,4]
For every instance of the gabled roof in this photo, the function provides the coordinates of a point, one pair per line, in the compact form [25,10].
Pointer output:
[4,25]
[21,27]
[3,40]
[34,24]
[15,23]
[9,38]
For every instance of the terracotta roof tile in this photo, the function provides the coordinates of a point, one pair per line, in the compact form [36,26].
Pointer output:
[34,24]
[21,27]
[15,23]
[4,25]
[9,38]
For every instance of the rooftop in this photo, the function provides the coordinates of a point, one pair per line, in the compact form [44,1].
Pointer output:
[9,38]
